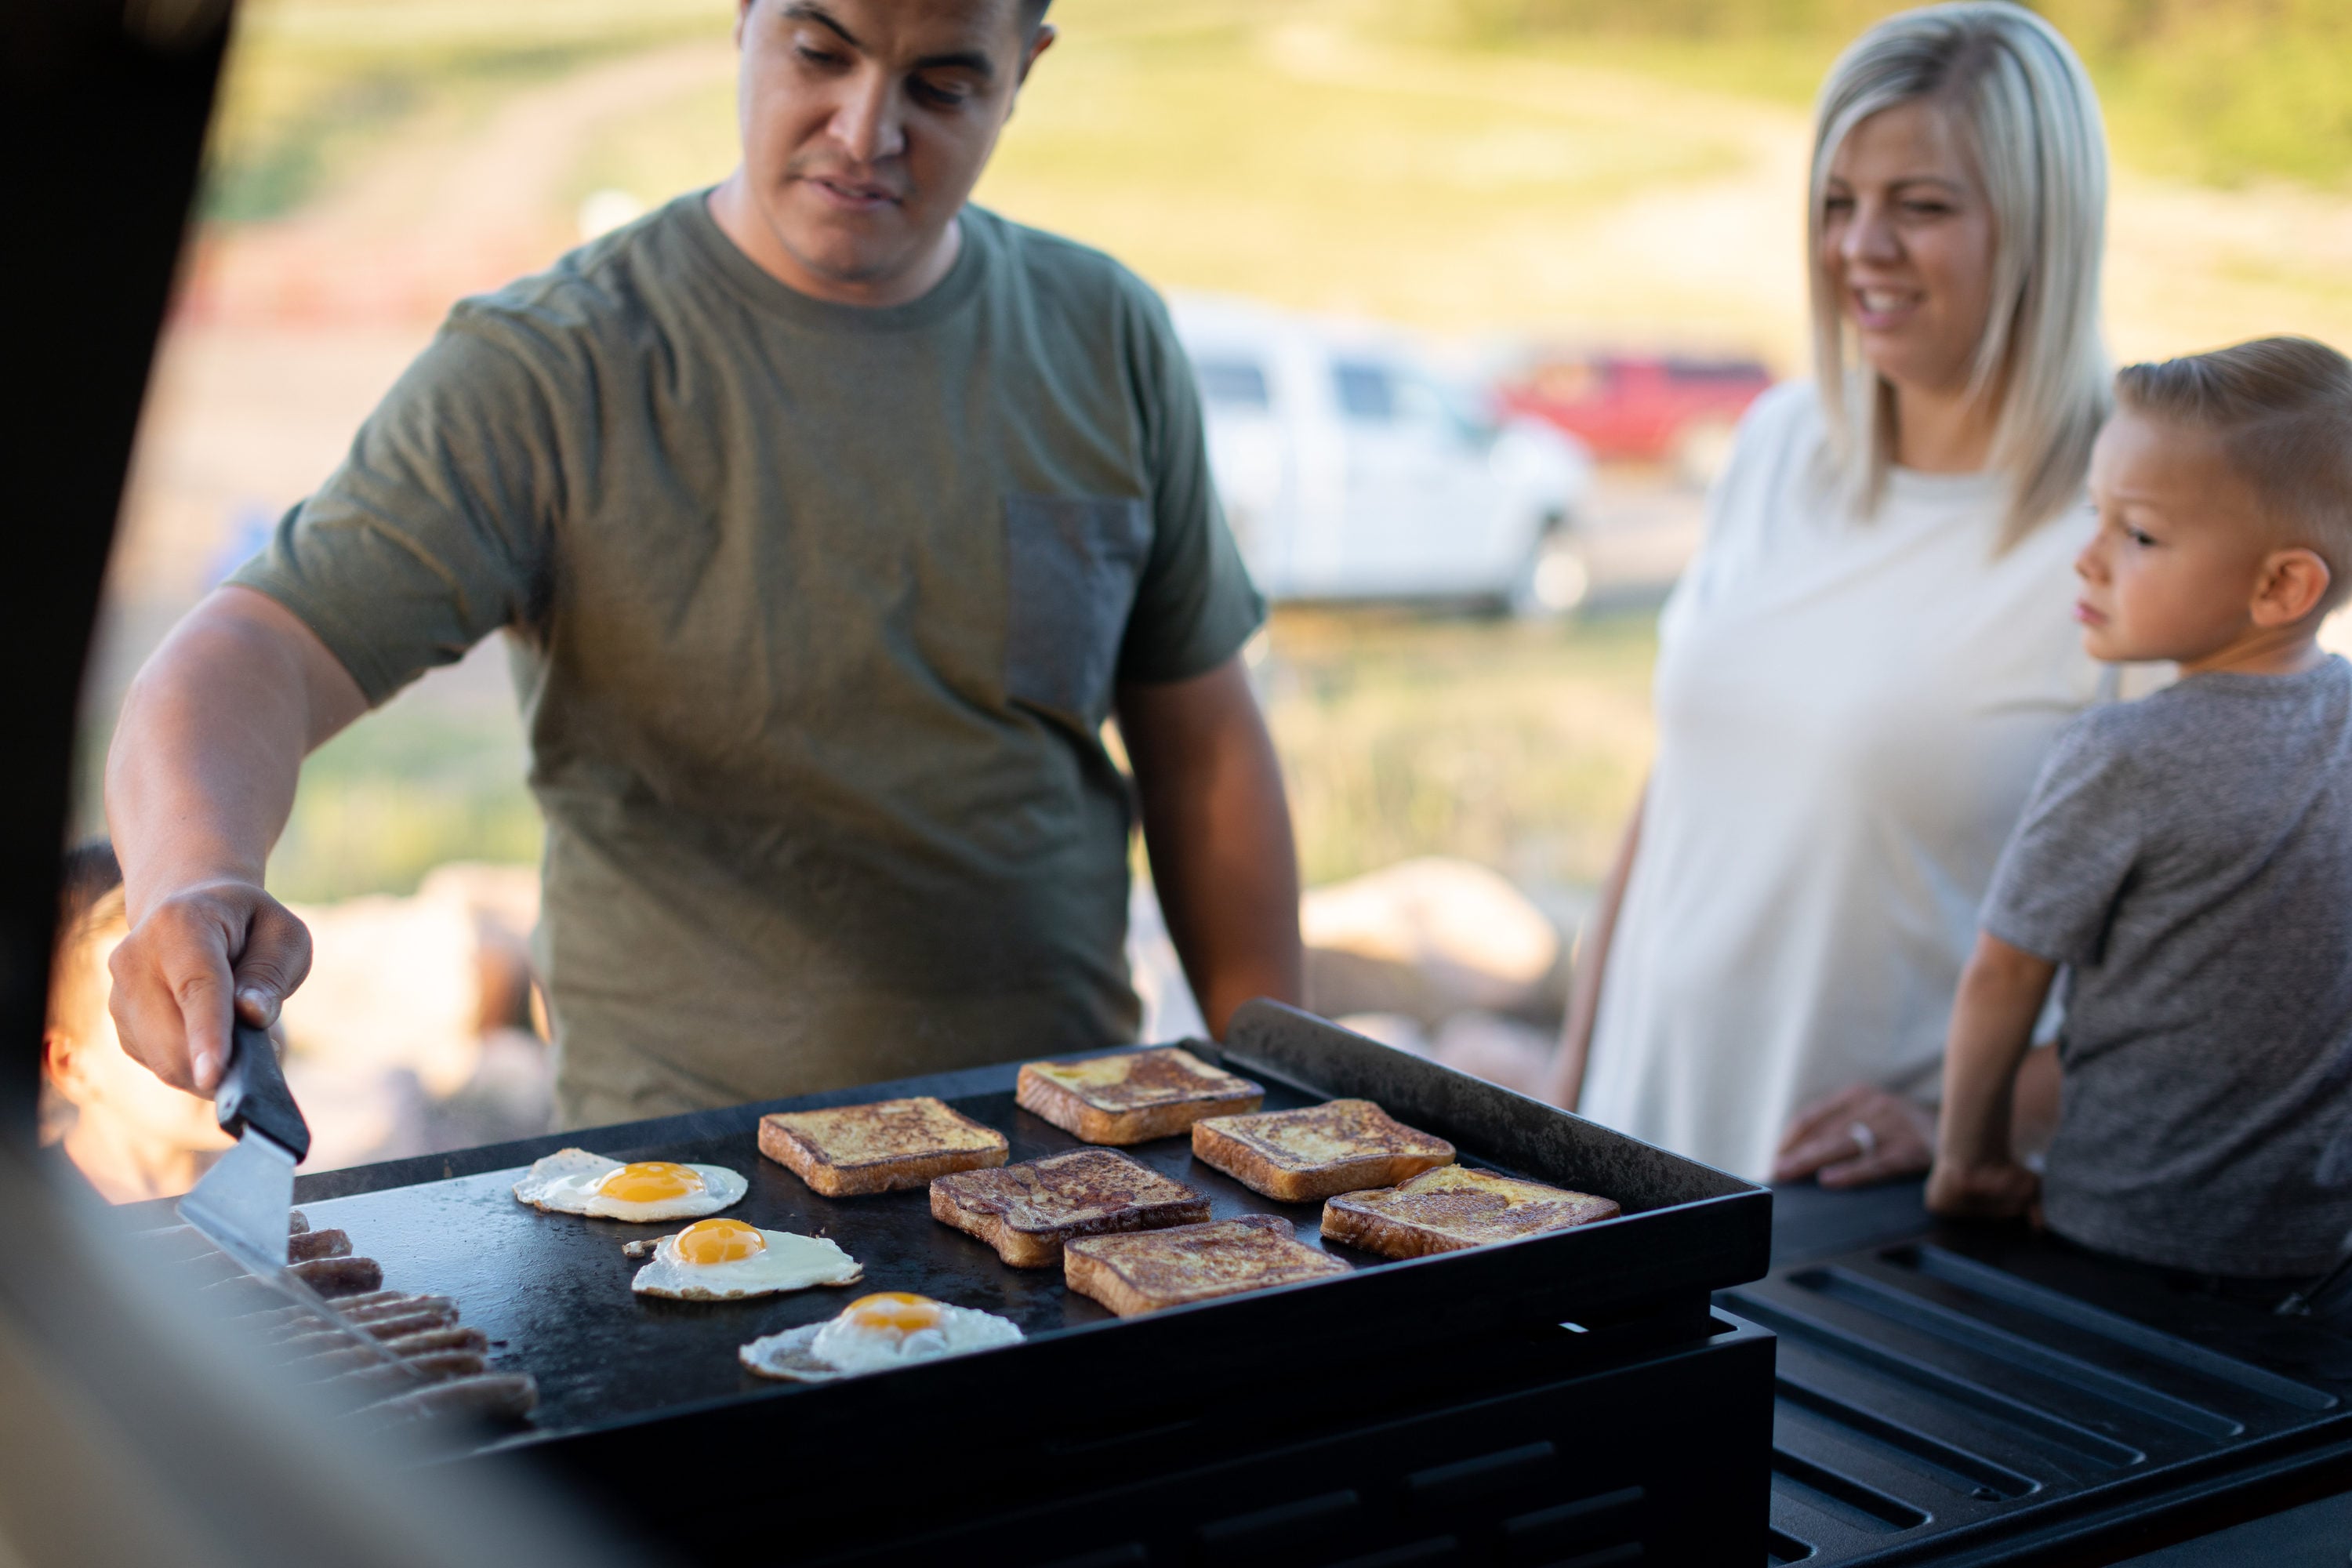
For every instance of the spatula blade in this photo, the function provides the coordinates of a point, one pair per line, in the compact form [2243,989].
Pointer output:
[243,1201]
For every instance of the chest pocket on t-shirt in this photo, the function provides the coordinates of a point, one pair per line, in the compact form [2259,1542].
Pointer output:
[1071,567]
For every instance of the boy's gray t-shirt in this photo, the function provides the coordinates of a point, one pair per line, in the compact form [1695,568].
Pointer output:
[2189,858]
[816,614]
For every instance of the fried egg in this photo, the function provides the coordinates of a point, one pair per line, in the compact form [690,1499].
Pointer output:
[723,1259]
[874,1334]
[573,1181]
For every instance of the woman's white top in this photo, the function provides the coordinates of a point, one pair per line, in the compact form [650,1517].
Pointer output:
[1850,714]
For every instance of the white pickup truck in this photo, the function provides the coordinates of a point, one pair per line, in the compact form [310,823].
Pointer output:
[1352,470]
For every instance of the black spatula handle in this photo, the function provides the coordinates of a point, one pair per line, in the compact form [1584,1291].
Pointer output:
[253,1093]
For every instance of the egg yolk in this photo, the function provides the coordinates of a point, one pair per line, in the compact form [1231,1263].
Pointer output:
[896,1309]
[719,1241]
[649,1181]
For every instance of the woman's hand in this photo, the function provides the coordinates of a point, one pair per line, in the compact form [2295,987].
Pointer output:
[2001,1190]
[1858,1136]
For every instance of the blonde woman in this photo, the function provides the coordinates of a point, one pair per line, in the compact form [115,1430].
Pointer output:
[1858,675]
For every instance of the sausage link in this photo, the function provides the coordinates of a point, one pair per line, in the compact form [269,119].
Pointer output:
[309,1245]
[494,1396]
[333,1276]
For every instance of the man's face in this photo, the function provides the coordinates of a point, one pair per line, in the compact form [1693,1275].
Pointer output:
[865,124]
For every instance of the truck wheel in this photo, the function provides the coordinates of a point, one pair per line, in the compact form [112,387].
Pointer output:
[1554,580]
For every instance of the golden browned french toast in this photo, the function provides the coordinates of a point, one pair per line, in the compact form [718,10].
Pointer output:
[1451,1207]
[1027,1211]
[1133,1097]
[1154,1268]
[1297,1156]
[848,1150]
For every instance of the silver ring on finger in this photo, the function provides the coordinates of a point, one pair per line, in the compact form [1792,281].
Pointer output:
[1865,1142]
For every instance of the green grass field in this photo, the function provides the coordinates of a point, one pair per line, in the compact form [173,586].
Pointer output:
[1519,746]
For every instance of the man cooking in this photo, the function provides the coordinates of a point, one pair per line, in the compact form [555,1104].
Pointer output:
[829,518]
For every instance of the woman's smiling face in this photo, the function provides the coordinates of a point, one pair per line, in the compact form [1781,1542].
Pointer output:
[1906,241]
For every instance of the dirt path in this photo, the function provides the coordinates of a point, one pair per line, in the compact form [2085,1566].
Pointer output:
[289,331]
[446,211]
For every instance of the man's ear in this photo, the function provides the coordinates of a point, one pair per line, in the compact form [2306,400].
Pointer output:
[2292,584]
[1037,45]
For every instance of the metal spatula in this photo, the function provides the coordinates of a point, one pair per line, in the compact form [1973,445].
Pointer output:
[244,1201]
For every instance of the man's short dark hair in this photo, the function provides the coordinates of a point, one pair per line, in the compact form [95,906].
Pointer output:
[2281,409]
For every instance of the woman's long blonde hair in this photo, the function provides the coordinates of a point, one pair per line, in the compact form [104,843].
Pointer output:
[2027,113]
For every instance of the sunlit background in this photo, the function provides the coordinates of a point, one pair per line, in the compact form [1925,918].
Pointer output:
[1583,214]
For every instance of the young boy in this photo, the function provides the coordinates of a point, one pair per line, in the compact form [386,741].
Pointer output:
[2187,859]
[133,1135]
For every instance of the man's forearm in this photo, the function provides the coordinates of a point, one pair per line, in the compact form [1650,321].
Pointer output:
[1218,828]
[2000,995]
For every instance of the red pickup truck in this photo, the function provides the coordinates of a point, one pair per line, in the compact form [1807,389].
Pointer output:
[1646,408]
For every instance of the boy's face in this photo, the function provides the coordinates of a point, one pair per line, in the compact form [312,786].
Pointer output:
[92,1071]
[2184,566]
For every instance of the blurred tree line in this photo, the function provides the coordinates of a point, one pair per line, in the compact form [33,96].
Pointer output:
[2218,91]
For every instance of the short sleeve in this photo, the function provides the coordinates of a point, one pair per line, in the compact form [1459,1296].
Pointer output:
[2053,893]
[1196,606]
[433,532]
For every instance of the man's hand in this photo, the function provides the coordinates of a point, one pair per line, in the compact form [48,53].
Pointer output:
[198,952]
[2001,1190]
[1858,1136]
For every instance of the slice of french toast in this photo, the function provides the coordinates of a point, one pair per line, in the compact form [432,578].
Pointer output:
[1149,1269]
[1318,1151]
[848,1150]
[1133,1097]
[1027,1211]
[1452,1208]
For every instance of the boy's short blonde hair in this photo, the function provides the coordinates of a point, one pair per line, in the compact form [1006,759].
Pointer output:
[2281,409]
[90,910]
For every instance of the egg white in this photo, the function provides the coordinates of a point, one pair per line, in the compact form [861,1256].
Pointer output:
[791,1262]
[819,1353]
[565,1182]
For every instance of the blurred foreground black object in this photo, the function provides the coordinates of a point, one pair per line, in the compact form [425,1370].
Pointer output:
[136,1433]
[102,108]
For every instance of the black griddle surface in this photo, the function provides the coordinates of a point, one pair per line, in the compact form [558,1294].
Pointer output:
[552,1290]
[555,1288]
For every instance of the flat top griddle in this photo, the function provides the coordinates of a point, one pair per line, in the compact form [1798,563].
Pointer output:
[554,1289]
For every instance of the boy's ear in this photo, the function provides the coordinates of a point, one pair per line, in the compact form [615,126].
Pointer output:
[60,1064]
[2292,583]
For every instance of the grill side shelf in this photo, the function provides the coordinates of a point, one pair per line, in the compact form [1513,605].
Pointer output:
[1971,1396]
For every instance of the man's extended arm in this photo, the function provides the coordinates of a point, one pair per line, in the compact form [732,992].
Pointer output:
[1218,828]
[199,784]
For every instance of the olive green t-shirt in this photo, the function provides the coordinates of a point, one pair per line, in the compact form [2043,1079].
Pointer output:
[816,614]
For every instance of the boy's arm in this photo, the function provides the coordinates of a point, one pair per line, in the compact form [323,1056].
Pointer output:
[2001,996]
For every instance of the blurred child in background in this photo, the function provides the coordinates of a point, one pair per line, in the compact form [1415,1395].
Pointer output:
[127,1133]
